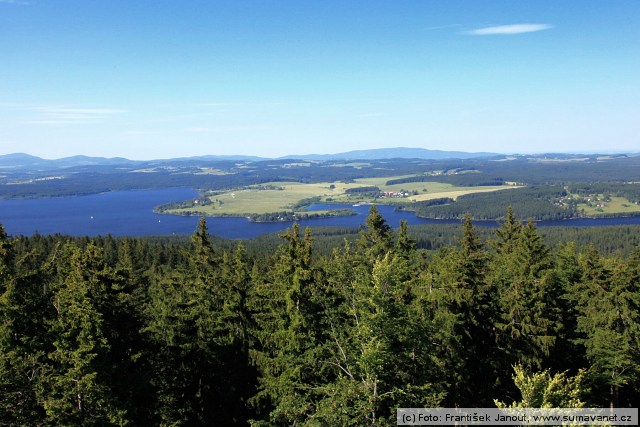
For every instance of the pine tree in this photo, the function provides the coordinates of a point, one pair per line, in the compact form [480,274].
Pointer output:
[22,339]
[376,240]
[286,319]
[172,329]
[508,232]
[238,379]
[461,305]
[75,388]
[128,286]
[6,260]
[609,320]
[198,324]
[567,354]
[524,282]
[404,246]
[376,356]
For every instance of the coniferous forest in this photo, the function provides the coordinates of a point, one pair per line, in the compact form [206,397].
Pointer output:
[103,331]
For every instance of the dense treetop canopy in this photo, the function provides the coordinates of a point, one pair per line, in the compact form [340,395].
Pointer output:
[129,331]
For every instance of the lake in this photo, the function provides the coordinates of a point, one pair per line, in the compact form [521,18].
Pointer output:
[130,213]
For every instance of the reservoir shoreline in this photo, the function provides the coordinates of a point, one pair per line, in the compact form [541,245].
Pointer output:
[131,213]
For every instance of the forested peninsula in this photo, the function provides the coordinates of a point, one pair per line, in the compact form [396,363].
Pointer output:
[542,187]
[103,331]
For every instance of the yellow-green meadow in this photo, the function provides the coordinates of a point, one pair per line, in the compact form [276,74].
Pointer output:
[291,196]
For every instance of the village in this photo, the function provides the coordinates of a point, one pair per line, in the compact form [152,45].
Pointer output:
[598,204]
[591,200]
[392,194]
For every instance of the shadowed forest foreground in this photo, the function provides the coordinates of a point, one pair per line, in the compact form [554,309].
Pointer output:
[117,332]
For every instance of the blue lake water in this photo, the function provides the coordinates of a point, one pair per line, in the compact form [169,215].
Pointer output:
[120,213]
[130,213]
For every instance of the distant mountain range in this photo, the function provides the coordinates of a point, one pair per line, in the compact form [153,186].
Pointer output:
[26,161]
[394,153]
[22,160]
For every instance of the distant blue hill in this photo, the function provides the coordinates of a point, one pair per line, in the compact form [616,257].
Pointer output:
[210,158]
[26,161]
[394,153]
[20,160]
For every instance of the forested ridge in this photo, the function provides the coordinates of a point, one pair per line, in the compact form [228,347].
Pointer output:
[102,331]
[19,183]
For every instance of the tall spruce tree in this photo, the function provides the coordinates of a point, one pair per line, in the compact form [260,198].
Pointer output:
[76,387]
[376,239]
[23,343]
[195,335]
[461,304]
[404,246]
[508,233]
[286,323]
[609,320]
[523,282]
[238,379]
[376,356]
[567,354]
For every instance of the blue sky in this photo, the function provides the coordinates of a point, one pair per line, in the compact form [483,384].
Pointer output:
[168,78]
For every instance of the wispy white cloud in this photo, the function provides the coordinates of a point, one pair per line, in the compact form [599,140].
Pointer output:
[182,117]
[189,112]
[442,27]
[509,29]
[240,104]
[227,129]
[69,116]
[199,130]
[142,132]
[16,2]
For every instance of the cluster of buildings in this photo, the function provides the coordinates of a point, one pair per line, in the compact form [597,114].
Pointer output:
[392,194]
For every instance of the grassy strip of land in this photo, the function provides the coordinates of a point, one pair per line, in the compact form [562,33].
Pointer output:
[601,205]
[277,197]
[457,193]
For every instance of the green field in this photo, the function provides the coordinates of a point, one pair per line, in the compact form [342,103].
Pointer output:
[601,205]
[284,196]
[456,192]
